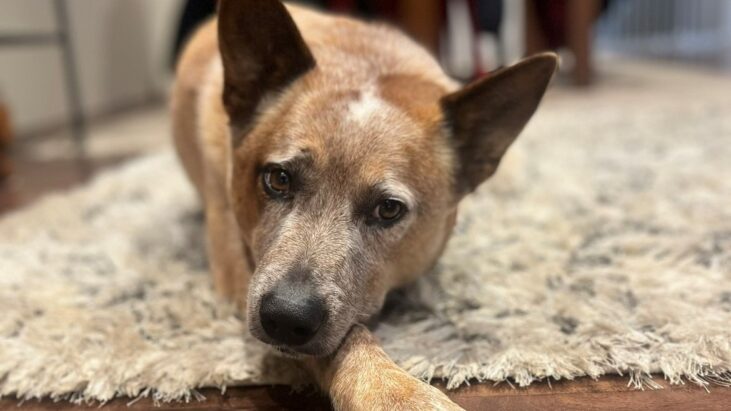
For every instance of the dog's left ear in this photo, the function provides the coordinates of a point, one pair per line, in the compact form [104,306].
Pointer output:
[486,116]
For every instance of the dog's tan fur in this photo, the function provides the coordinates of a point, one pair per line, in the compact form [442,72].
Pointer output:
[367,110]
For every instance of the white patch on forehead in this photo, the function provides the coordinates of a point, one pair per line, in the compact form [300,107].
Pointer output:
[365,107]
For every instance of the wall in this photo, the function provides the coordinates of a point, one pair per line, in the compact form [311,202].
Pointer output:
[122,49]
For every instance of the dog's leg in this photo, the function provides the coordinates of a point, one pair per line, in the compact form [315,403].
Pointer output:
[360,376]
[226,260]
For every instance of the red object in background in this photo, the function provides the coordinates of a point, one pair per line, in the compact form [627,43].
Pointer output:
[480,71]
[422,19]
[552,16]
[343,6]
[381,9]
[551,24]
[5,137]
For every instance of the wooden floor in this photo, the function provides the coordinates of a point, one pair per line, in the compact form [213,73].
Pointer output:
[608,393]
[33,179]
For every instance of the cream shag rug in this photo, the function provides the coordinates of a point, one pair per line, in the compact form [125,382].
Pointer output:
[602,246]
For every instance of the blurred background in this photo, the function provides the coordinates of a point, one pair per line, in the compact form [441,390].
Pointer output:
[83,83]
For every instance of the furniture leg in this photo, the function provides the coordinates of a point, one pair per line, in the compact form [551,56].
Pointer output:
[73,92]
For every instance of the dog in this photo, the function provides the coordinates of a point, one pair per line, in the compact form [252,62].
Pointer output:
[330,155]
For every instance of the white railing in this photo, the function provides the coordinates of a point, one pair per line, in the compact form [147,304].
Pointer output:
[681,29]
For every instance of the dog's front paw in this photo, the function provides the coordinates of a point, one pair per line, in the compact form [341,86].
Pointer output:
[366,379]
[390,389]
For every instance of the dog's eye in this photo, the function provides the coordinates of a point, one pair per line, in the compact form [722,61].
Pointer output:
[389,210]
[277,182]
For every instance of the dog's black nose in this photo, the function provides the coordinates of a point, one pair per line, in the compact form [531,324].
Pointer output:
[291,314]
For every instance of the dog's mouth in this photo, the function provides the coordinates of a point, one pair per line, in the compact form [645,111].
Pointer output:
[289,352]
[320,347]
[327,340]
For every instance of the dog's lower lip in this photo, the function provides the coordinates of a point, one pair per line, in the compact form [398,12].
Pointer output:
[288,352]
[285,350]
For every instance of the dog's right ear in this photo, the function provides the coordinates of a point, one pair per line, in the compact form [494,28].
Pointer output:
[262,52]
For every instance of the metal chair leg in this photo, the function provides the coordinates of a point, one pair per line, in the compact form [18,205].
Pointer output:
[73,92]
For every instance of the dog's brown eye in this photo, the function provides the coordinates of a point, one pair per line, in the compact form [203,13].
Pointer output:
[277,181]
[390,210]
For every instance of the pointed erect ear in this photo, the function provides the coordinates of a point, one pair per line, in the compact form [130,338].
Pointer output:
[486,116]
[262,53]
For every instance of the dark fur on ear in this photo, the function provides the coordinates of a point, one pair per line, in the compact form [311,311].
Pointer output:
[262,52]
[486,116]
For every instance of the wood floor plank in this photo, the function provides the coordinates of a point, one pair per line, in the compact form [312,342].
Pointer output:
[32,179]
[607,393]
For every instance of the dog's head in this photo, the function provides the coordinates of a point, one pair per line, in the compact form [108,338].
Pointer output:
[341,191]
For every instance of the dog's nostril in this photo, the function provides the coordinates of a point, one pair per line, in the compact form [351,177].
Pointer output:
[270,324]
[301,331]
[291,315]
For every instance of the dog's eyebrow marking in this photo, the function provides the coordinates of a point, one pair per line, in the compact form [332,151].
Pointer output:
[290,155]
[398,190]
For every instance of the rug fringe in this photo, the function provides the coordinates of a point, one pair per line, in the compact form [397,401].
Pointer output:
[703,377]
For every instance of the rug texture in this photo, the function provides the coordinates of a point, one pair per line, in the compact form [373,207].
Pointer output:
[603,245]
